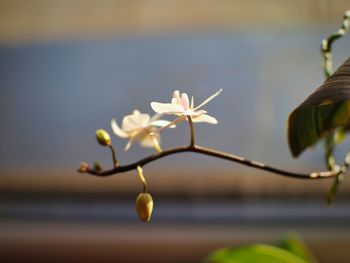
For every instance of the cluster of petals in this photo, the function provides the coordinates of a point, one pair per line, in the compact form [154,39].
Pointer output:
[141,127]
[145,129]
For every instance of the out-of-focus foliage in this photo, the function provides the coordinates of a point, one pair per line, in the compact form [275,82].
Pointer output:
[325,110]
[294,244]
[289,250]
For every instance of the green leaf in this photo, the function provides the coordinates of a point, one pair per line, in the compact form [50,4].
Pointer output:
[340,135]
[294,244]
[308,125]
[258,253]
[325,110]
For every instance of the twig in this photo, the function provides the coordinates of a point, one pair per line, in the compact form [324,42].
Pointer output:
[213,153]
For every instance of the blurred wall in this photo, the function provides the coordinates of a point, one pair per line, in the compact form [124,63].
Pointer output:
[42,20]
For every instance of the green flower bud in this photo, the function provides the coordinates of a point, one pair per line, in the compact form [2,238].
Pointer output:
[144,206]
[103,137]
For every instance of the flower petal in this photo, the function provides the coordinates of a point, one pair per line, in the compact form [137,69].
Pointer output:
[208,99]
[136,112]
[148,140]
[117,131]
[128,145]
[176,95]
[166,108]
[185,101]
[204,118]
[155,117]
[176,98]
[195,113]
[134,122]
[173,123]
[161,123]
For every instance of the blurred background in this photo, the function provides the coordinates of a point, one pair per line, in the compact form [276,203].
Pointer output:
[67,67]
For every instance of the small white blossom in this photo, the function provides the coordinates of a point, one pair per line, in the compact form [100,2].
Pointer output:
[141,127]
[180,106]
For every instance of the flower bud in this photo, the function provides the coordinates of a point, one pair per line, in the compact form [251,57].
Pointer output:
[83,168]
[144,206]
[103,137]
[97,167]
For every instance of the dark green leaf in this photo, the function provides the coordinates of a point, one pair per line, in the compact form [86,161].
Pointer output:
[324,110]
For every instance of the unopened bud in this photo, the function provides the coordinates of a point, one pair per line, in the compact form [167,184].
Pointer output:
[97,167]
[103,137]
[144,206]
[83,168]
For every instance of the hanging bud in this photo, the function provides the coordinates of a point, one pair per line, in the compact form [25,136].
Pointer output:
[144,206]
[103,137]
[83,168]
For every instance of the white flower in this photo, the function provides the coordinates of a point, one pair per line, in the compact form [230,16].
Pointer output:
[181,107]
[141,127]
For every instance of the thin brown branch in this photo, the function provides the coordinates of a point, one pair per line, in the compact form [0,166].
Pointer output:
[220,155]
